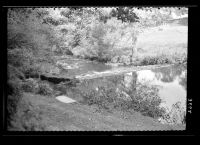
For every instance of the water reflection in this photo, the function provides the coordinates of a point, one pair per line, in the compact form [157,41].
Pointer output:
[172,84]
[167,83]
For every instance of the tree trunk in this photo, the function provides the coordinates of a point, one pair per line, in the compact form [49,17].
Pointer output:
[134,49]
[134,82]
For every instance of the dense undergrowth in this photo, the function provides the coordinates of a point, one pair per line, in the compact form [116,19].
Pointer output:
[110,94]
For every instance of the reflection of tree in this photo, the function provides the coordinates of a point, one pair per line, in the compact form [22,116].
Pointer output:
[158,75]
[168,74]
[183,82]
[129,82]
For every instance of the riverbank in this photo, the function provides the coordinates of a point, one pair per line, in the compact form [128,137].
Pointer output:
[100,113]
[48,114]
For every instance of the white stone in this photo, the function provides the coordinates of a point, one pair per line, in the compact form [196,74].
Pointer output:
[65,99]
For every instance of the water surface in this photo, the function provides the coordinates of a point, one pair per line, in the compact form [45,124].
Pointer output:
[171,81]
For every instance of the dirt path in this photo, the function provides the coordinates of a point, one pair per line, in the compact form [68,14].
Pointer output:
[79,117]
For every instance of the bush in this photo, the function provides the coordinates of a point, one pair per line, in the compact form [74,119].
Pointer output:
[30,85]
[32,120]
[104,97]
[149,60]
[14,96]
[28,118]
[60,88]
[147,101]
[45,89]
[108,94]
[28,37]
[23,60]
[14,73]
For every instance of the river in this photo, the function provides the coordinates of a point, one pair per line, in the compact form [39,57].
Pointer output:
[170,80]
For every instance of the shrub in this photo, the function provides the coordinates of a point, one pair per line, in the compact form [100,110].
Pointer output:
[147,100]
[31,120]
[30,85]
[158,59]
[147,61]
[45,89]
[14,73]
[144,99]
[104,97]
[60,88]
[28,37]
[28,118]
[176,115]
[23,60]
[14,96]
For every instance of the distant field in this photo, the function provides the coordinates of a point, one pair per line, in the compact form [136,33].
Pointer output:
[168,39]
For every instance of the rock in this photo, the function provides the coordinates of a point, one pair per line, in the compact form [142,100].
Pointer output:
[65,99]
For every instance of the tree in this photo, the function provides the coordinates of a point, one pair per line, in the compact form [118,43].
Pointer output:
[127,15]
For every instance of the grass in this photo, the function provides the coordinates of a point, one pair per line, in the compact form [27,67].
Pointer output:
[39,113]
[160,46]
[166,46]
[99,94]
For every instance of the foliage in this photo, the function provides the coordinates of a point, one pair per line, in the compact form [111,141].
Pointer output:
[106,95]
[91,33]
[146,100]
[30,85]
[177,115]
[14,73]
[45,89]
[32,119]
[28,38]
[28,118]
[14,96]
[125,14]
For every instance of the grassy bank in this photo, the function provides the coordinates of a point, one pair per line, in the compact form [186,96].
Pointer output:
[102,104]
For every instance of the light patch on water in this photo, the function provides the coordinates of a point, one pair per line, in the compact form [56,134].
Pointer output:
[145,75]
[172,92]
[128,79]
[183,74]
[169,92]
[65,99]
